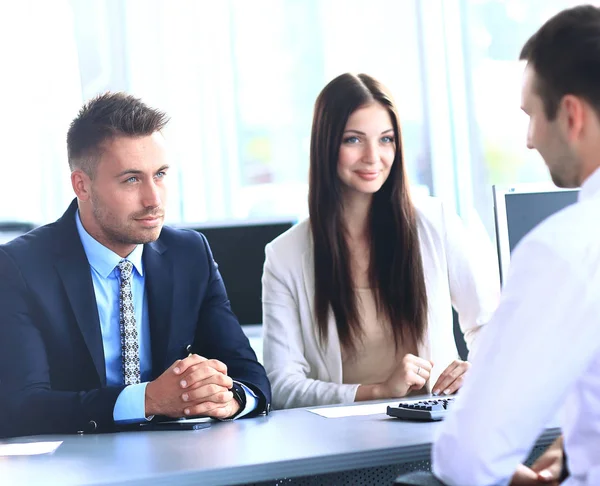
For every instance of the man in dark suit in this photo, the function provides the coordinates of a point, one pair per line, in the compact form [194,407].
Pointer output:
[106,316]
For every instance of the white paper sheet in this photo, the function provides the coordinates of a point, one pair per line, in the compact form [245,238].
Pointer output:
[353,410]
[28,448]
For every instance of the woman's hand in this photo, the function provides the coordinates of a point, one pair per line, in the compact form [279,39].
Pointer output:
[412,374]
[452,378]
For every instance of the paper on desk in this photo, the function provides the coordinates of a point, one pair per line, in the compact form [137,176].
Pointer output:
[28,448]
[353,410]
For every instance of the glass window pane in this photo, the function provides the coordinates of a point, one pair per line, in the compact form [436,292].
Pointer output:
[495,33]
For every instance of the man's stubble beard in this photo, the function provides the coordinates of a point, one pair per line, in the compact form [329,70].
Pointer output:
[116,232]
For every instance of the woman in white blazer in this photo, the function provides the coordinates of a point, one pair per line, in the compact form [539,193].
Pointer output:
[357,300]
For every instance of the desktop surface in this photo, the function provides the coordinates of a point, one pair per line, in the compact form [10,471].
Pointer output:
[285,444]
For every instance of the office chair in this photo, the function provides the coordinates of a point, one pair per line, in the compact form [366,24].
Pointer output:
[11,229]
[419,478]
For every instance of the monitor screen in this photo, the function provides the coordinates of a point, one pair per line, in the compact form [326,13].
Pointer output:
[239,250]
[518,209]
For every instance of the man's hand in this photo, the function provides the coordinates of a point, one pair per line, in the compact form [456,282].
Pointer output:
[192,386]
[546,470]
[209,396]
[452,378]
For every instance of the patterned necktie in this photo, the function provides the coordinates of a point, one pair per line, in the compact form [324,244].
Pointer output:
[130,348]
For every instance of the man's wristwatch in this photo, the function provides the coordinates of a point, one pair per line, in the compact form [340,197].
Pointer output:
[239,395]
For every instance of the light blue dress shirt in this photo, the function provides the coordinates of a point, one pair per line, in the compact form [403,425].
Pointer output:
[131,402]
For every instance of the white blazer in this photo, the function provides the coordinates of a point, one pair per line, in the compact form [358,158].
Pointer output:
[460,270]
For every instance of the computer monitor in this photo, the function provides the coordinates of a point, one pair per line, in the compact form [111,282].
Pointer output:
[518,209]
[239,250]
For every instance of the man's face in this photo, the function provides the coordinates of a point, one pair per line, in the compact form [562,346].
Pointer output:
[128,193]
[548,137]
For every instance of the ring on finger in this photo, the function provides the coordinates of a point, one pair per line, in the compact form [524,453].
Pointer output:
[419,371]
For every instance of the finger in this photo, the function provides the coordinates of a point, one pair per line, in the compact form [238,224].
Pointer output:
[196,374]
[225,411]
[222,412]
[208,409]
[442,384]
[454,386]
[220,397]
[217,365]
[414,381]
[445,378]
[422,372]
[182,365]
[546,476]
[550,462]
[205,393]
[449,376]
[215,379]
[523,476]
[411,359]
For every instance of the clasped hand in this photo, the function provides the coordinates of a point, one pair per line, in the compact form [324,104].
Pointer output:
[192,386]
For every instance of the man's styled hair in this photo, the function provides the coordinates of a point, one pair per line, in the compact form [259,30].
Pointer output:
[103,118]
[565,53]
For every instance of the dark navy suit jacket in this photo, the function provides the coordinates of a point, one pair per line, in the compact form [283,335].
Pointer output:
[52,370]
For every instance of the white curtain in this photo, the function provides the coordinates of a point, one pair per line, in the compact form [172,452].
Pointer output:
[40,93]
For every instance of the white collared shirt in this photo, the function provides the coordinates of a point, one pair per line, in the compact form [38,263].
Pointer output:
[540,352]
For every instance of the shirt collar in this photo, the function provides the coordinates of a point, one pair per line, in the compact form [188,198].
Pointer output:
[591,186]
[102,259]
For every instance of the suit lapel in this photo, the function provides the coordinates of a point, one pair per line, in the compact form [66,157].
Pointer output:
[331,353]
[74,271]
[159,287]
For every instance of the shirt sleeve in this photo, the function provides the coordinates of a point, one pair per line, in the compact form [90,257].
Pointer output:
[528,359]
[131,404]
[251,401]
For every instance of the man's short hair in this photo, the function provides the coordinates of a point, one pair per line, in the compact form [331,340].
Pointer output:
[565,53]
[103,118]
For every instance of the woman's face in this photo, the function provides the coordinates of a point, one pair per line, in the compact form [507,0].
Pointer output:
[367,151]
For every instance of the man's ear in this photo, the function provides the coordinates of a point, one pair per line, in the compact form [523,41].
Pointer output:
[81,183]
[572,115]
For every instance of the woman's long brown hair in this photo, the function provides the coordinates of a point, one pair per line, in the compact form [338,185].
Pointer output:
[395,268]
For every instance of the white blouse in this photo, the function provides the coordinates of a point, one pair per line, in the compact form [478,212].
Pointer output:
[460,270]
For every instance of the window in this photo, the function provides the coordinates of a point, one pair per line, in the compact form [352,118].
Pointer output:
[494,33]
[239,79]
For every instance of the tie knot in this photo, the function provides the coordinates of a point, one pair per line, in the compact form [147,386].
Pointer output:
[125,266]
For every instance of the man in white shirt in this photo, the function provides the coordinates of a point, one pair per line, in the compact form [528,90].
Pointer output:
[541,351]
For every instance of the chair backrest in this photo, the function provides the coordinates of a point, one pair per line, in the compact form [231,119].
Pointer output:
[12,229]
[239,250]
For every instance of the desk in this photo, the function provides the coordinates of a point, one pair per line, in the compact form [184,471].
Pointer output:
[286,444]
